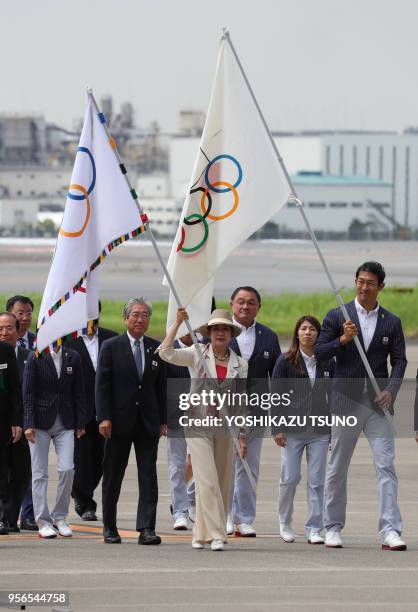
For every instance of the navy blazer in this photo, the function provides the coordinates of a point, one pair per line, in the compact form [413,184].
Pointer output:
[89,373]
[388,342]
[10,389]
[305,399]
[22,357]
[45,395]
[121,397]
[31,340]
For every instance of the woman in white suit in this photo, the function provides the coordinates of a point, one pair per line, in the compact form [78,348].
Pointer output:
[211,448]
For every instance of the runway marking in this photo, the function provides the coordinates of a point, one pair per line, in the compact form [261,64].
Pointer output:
[197,570]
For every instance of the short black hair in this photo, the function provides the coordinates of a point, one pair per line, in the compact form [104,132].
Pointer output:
[18,298]
[374,267]
[10,314]
[246,288]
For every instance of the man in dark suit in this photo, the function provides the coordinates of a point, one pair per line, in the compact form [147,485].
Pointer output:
[54,409]
[10,424]
[260,346]
[381,336]
[18,456]
[131,409]
[22,307]
[88,450]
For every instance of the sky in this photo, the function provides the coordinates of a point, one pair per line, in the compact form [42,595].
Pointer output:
[313,64]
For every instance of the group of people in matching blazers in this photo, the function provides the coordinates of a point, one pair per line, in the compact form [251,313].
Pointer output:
[101,394]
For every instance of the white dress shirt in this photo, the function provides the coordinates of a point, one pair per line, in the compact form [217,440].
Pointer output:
[92,345]
[368,322]
[57,359]
[310,363]
[246,339]
[132,340]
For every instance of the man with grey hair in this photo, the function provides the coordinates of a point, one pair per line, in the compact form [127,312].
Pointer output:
[131,409]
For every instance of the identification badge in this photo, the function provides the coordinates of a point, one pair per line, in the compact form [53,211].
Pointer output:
[326,373]
[3,366]
[155,364]
[385,340]
[69,370]
[266,355]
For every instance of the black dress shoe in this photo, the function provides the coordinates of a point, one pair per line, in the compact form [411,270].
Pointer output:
[28,525]
[148,537]
[111,536]
[89,515]
[4,528]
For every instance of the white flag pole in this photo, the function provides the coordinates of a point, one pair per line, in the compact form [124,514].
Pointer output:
[299,204]
[165,270]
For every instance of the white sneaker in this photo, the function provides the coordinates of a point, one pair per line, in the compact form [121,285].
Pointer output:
[180,524]
[47,531]
[197,544]
[286,533]
[192,514]
[333,539]
[245,530]
[315,537]
[393,541]
[217,545]
[229,525]
[64,529]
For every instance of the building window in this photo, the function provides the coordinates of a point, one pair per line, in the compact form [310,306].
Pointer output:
[356,204]
[32,192]
[19,214]
[341,160]
[380,162]
[338,204]
[328,159]
[354,159]
[316,204]
[19,192]
[291,204]
[367,161]
[32,176]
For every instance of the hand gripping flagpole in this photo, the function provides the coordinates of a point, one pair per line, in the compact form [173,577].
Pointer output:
[144,219]
[294,198]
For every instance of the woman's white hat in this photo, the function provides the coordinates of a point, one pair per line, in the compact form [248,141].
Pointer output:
[220,317]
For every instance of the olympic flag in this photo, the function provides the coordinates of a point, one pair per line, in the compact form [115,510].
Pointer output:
[100,213]
[237,185]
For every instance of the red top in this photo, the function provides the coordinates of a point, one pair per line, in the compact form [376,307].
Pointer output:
[221,372]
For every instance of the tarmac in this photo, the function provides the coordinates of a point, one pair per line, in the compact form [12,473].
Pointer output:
[255,574]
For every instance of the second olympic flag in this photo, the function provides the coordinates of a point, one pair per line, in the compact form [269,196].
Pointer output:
[236,187]
[100,214]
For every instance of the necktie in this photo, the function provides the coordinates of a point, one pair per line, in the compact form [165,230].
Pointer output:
[21,343]
[138,358]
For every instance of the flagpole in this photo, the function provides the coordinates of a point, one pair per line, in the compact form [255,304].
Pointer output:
[299,204]
[165,270]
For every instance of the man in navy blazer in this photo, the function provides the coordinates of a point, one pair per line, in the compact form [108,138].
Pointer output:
[131,409]
[260,346]
[54,409]
[381,336]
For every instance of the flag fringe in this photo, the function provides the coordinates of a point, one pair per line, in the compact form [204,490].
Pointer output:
[108,249]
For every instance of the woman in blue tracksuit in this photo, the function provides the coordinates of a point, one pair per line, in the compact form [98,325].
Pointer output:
[302,426]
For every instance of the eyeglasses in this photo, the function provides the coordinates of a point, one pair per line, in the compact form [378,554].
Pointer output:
[139,315]
[8,329]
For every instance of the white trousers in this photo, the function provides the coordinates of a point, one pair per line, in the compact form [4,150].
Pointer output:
[63,440]
[316,447]
[182,496]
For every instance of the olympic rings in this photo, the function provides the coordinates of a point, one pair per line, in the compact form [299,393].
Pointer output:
[209,197]
[217,187]
[84,196]
[183,235]
[88,210]
[215,159]
[230,212]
